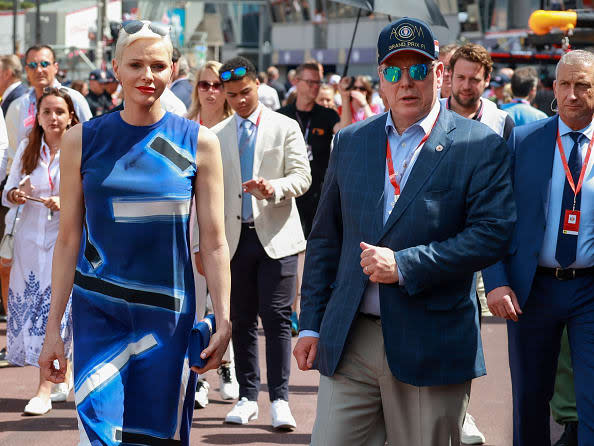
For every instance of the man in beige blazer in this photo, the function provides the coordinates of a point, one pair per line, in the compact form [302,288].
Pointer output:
[266,167]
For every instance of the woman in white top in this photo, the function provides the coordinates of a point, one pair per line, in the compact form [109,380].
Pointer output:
[33,184]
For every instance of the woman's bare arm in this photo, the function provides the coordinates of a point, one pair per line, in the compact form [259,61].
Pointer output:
[214,251]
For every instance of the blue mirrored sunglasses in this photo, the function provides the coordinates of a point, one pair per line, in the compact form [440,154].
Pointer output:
[237,73]
[133,26]
[417,72]
[43,64]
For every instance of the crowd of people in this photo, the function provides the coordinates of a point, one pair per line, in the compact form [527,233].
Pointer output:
[329,208]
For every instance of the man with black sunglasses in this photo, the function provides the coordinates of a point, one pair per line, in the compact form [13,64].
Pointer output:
[264,154]
[409,210]
[41,69]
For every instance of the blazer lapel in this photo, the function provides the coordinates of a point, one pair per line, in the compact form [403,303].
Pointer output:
[424,166]
[261,139]
[229,146]
[543,164]
[374,152]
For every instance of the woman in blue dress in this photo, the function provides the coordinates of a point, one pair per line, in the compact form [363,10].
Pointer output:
[128,179]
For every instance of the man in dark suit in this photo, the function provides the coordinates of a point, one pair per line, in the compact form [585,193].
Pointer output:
[11,86]
[546,282]
[274,82]
[181,85]
[414,201]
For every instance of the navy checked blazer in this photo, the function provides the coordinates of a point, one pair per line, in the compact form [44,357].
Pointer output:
[454,216]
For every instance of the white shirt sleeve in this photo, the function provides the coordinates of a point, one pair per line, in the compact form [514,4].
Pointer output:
[16,174]
[3,147]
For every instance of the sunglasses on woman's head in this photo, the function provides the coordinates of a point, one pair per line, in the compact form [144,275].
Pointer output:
[205,86]
[133,26]
[236,73]
[43,64]
[417,72]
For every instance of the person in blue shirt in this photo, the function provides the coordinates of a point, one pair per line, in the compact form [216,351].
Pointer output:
[546,281]
[127,182]
[523,85]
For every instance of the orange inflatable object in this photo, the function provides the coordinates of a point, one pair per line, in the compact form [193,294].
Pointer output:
[542,22]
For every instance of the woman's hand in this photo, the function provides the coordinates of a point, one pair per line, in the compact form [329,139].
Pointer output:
[16,196]
[198,263]
[53,203]
[343,90]
[53,348]
[359,99]
[216,347]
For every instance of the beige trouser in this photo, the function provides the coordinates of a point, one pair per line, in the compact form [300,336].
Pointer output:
[364,405]
[480,290]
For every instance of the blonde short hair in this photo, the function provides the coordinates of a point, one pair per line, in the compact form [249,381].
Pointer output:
[125,40]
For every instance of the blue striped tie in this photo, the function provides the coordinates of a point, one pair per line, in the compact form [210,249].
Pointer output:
[567,243]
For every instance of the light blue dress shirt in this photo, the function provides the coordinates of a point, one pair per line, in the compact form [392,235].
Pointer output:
[403,148]
[247,160]
[585,241]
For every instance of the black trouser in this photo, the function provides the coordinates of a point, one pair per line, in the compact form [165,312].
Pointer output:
[261,286]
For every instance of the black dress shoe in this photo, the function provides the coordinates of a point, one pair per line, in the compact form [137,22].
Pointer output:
[569,437]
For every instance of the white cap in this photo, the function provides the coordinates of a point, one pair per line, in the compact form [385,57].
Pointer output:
[334,79]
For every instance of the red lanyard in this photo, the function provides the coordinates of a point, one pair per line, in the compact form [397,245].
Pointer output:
[49,162]
[576,190]
[391,172]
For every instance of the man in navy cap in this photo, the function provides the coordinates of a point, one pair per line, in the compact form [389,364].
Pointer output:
[497,86]
[409,210]
[98,102]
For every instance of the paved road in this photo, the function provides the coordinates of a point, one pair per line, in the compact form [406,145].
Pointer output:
[490,404]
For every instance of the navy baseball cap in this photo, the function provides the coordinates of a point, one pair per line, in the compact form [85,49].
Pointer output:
[407,34]
[110,76]
[499,81]
[98,75]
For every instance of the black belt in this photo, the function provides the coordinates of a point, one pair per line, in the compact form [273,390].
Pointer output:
[248,225]
[373,317]
[565,273]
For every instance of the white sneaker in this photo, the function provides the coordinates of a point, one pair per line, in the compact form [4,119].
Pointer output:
[36,406]
[470,433]
[228,386]
[243,412]
[282,418]
[60,393]
[201,396]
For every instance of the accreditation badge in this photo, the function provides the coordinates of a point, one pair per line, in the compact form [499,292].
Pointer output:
[571,222]
[309,152]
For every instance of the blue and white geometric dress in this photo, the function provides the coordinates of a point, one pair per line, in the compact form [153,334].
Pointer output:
[133,302]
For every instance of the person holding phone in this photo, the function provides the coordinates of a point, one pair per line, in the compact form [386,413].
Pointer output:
[266,164]
[359,101]
[33,184]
